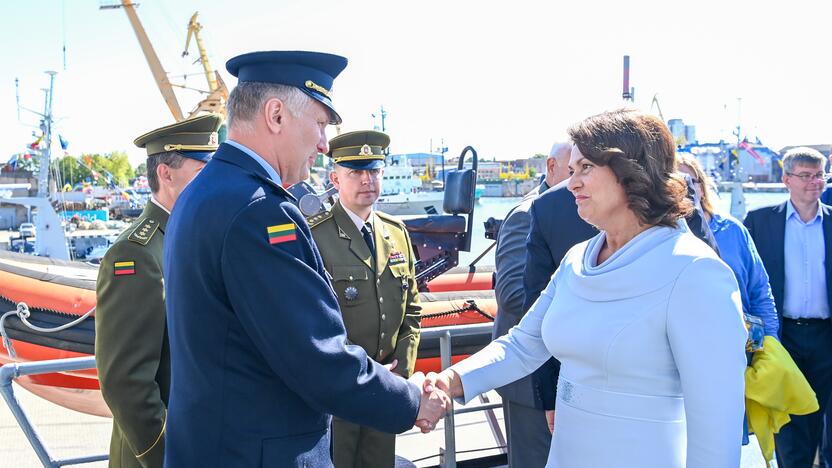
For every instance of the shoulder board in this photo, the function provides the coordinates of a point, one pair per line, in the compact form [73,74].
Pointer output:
[319,218]
[144,231]
[391,219]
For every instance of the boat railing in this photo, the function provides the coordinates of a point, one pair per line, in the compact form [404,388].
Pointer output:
[11,371]
[446,336]
[14,370]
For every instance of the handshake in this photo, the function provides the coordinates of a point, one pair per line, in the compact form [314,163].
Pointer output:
[436,397]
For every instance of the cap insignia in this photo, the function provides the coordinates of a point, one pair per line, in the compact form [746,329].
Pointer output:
[366,151]
[312,85]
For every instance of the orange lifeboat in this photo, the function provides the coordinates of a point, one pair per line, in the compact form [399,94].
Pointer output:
[58,292]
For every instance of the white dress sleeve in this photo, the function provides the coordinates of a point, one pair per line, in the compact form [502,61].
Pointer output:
[512,356]
[707,337]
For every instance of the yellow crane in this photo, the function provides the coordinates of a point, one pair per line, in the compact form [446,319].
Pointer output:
[153,62]
[218,92]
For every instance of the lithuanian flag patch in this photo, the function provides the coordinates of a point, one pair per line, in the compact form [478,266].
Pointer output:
[281,233]
[125,268]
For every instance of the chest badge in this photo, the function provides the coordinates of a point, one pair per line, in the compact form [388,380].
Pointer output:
[351,293]
[396,258]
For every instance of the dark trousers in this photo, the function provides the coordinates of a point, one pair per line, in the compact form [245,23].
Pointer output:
[528,436]
[355,446]
[810,345]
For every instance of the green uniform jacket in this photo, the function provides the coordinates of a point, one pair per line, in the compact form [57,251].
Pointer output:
[379,302]
[131,345]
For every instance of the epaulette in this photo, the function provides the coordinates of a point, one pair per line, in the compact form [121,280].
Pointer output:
[144,231]
[391,219]
[319,218]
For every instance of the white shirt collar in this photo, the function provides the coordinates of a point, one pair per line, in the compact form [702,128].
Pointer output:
[359,223]
[790,210]
[269,169]
[156,202]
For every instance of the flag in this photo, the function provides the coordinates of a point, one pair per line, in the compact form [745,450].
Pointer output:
[36,143]
[748,148]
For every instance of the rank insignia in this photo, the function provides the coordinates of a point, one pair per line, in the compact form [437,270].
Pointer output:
[281,233]
[351,293]
[124,268]
[397,258]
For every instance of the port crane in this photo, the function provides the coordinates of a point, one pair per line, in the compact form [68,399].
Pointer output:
[217,93]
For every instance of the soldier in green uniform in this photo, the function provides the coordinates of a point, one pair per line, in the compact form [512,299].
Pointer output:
[131,345]
[372,264]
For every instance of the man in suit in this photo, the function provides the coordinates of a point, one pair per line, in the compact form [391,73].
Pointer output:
[826,196]
[523,407]
[259,350]
[131,345]
[373,268]
[794,240]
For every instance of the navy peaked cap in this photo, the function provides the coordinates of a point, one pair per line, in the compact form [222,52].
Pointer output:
[311,72]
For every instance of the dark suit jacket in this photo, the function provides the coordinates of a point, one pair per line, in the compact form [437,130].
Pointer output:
[767,226]
[510,262]
[258,348]
[556,228]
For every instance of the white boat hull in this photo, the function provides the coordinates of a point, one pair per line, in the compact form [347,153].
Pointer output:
[411,204]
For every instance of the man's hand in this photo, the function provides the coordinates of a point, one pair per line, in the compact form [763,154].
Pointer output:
[550,419]
[433,406]
[447,381]
[392,365]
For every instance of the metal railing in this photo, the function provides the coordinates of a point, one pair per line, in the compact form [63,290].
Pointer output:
[446,335]
[11,371]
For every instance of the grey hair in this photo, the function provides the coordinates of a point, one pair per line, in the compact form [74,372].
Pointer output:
[248,97]
[171,159]
[803,156]
[558,147]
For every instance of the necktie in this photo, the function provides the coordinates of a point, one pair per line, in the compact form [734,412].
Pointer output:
[368,238]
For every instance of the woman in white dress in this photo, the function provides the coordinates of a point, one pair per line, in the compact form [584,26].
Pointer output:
[644,318]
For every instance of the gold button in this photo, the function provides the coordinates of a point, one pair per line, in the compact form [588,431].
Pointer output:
[382,334]
[380,351]
[350,278]
[383,317]
[381,300]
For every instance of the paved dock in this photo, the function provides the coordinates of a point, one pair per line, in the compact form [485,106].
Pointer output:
[70,434]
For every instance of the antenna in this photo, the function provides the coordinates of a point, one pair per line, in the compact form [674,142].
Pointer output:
[17,96]
[628,93]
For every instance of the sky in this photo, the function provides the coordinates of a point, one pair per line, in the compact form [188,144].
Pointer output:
[507,78]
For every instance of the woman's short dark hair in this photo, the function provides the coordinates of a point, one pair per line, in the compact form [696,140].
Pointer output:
[169,158]
[641,152]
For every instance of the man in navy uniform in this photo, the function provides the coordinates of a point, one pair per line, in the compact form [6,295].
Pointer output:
[259,352]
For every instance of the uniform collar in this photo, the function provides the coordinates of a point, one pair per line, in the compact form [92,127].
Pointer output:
[153,200]
[153,210]
[269,169]
[359,223]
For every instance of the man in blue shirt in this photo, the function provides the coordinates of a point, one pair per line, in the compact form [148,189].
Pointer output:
[793,239]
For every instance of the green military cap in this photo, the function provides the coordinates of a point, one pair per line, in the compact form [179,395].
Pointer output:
[359,150]
[194,138]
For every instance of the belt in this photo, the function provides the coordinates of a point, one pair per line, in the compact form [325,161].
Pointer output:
[621,405]
[806,321]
